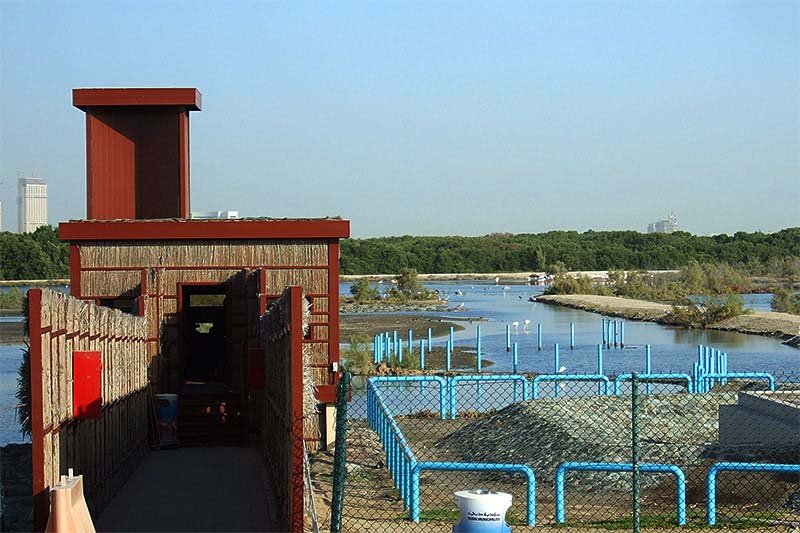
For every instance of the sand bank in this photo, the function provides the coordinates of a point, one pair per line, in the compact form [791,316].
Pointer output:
[781,325]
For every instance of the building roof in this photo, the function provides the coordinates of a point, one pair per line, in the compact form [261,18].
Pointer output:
[204,229]
[187,97]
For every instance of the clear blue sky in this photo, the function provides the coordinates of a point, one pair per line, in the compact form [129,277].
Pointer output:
[432,118]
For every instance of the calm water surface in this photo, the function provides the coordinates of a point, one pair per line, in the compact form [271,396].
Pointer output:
[673,349]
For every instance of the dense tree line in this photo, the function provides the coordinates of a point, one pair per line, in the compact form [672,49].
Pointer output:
[40,255]
[760,253]
[37,255]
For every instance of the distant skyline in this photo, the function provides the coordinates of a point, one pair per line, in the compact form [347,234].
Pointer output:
[443,118]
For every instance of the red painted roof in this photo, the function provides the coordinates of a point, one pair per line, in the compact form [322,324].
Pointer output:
[188,97]
[193,229]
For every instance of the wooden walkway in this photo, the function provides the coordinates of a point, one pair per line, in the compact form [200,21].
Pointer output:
[195,489]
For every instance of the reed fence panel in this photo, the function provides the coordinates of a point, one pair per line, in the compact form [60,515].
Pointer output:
[106,449]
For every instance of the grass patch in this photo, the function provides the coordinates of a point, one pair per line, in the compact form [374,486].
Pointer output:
[695,519]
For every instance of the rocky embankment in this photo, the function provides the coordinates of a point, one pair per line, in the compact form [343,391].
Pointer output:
[781,325]
[545,432]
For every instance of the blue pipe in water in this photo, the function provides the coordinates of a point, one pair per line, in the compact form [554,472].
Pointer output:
[448,355]
[571,336]
[622,334]
[539,336]
[422,354]
[478,362]
[647,366]
[508,337]
[556,367]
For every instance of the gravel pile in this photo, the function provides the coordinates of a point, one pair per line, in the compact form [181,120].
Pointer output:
[545,432]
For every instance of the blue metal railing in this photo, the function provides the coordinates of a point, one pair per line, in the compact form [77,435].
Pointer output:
[563,468]
[442,382]
[686,378]
[568,377]
[706,381]
[530,514]
[711,480]
[483,378]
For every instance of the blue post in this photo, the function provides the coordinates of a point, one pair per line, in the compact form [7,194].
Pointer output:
[400,350]
[599,366]
[648,368]
[603,330]
[539,336]
[508,337]
[410,343]
[556,365]
[452,340]
[571,336]
[478,362]
[609,334]
[448,355]
[422,354]
[430,337]
[622,334]
[616,335]
[515,358]
[395,342]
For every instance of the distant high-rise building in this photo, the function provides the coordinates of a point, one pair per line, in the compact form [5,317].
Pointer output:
[664,226]
[31,204]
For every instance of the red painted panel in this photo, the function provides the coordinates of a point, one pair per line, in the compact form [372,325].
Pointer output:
[255,372]
[41,496]
[111,167]
[87,368]
[134,164]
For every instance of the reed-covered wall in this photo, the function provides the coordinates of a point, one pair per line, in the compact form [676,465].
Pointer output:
[288,401]
[106,449]
[153,271]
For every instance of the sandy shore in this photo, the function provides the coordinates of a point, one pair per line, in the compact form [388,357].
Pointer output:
[757,322]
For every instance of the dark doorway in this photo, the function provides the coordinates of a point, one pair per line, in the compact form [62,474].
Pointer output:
[203,327]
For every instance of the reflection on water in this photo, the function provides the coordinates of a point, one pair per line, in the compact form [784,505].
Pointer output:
[10,357]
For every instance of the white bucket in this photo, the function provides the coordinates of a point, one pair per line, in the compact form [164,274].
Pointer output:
[482,511]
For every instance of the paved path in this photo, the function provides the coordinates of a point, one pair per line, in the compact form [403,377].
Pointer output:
[195,489]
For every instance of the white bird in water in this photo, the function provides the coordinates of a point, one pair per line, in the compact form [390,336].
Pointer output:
[459,306]
[380,281]
[516,325]
[496,280]
[527,323]
[562,370]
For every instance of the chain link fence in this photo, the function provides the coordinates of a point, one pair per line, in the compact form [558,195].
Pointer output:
[577,453]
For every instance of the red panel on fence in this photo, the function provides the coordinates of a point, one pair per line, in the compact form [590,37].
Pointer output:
[87,373]
[255,372]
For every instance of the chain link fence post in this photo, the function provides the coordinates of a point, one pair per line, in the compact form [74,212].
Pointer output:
[339,454]
[635,449]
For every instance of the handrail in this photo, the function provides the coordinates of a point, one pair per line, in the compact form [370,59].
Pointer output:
[454,381]
[562,469]
[568,377]
[530,515]
[705,378]
[653,377]
[711,480]
[418,379]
